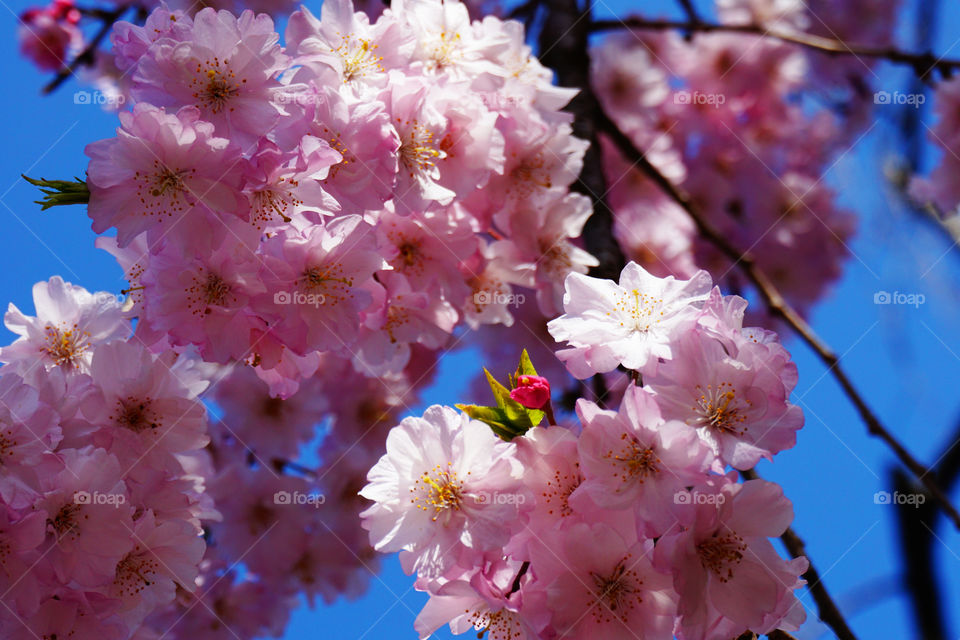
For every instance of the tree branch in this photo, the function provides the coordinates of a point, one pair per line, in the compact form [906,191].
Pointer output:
[827,610]
[779,307]
[922,63]
[563,47]
[917,526]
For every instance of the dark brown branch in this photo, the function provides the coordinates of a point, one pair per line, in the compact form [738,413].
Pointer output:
[917,526]
[563,47]
[87,57]
[779,307]
[922,63]
[827,610]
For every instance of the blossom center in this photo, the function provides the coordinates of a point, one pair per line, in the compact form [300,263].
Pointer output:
[418,152]
[718,409]
[163,191]
[408,253]
[134,573]
[438,490]
[216,85]
[555,256]
[208,289]
[532,171]
[328,279]
[619,592]
[720,554]
[443,50]
[66,520]
[638,311]
[65,346]
[134,414]
[168,181]
[359,57]
[270,202]
[634,460]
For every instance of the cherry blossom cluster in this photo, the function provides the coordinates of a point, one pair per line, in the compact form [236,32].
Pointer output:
[729,118]
[50,35]
[364,190]
[101,495]
[628,523]
[128,510]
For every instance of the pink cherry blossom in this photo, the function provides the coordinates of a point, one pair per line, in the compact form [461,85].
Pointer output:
[89,515]
[225,66]
[631,323]
[737,400]
[197,293]
[636,458]
[723,554]
[144,411]
[282,185]
[361,132]
[345,41]
[160,168]
[600,584]
[69,324]
[435,491]
[319,282]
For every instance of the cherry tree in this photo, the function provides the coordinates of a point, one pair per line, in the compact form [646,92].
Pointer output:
[627,217]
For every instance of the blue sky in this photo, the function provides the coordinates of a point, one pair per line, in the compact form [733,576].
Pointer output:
[905,359]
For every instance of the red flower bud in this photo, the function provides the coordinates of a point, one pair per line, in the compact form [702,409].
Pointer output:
[533,392]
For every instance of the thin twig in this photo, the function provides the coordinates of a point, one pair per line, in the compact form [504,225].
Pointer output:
[690,10]
[779,307]
[922,63]
[87,57]
[827,609]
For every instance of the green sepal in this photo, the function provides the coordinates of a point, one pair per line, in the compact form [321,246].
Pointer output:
[509,418]
[525,368]
[494,417]
[60,192]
